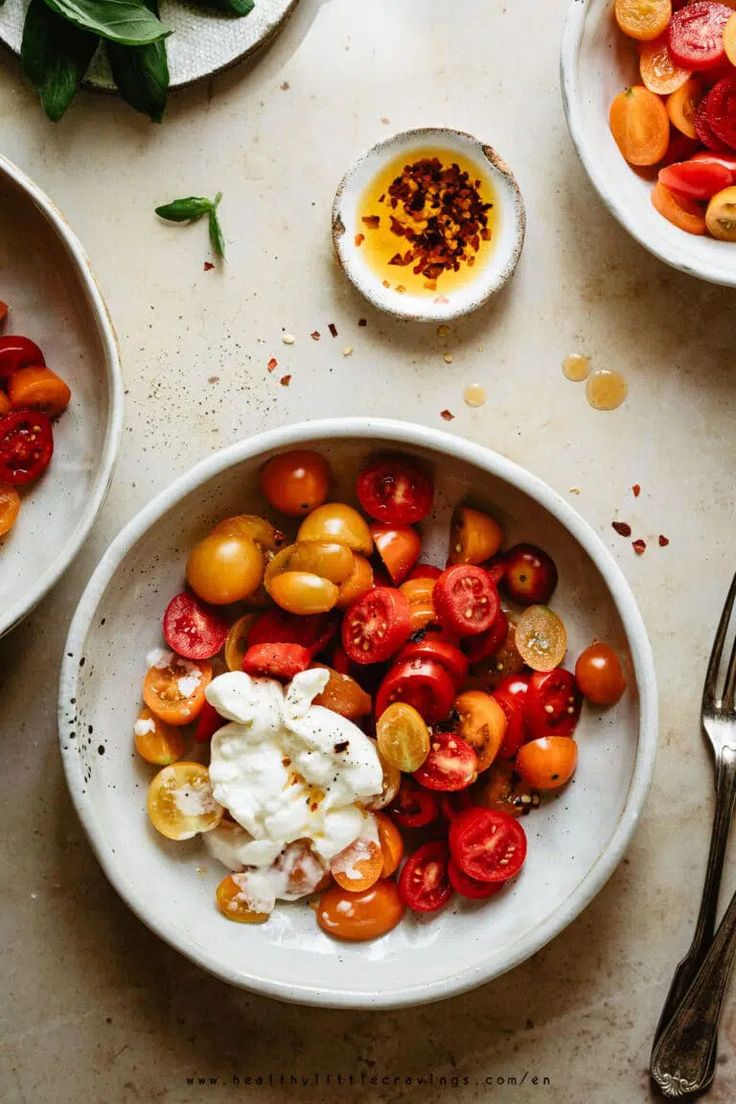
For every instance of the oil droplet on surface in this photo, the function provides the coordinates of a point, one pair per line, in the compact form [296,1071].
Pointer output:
[576,367]
[606,389]
[475,395]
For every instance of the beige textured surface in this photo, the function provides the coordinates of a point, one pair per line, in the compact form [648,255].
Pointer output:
[95,1008]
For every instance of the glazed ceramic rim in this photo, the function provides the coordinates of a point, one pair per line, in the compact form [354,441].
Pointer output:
[113,375]
[397,434]
[671,254]
[369,287]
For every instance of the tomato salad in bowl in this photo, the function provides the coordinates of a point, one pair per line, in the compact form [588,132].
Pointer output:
[343,720]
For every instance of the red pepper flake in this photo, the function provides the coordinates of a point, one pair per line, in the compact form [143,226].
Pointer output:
[447,415]
[359,239]
[663,541]
[273,363]
[622,528]
[362,321]
[371,221]
[315,335]
[208,266]
[333,329]
[285,381]
[637,490]
[284,86]
[384,120]
[214,379]
[639,546]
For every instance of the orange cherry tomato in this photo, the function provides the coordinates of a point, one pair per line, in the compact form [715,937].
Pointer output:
[398,546]
[360,916]
[222,569]
[9,507]
[660,73]
[344,695]
[541,638]
[337,522]
[720,216]
[729,39]
[180,802]
[643,19]
[304,593]
[175,693]
[548,763]
[482,724]
[155,741]
[38,388]
[640,125]
[418,593]
[474,536]
[3,312]
[265,535]
[296,482]
[682,107]
[359,866]
[4,404]
[599,675]
[358,583]
[232,901]
[392,844]
[328,559]
[403,737]
[685,214]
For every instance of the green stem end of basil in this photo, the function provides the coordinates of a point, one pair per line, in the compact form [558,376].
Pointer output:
[193,208]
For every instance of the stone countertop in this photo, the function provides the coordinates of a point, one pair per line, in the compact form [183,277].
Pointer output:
[96,1008]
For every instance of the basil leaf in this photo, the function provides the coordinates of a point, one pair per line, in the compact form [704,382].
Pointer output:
[126,21]
[232,7]
[185,210]
[216,239]
[142,73]
[55,57]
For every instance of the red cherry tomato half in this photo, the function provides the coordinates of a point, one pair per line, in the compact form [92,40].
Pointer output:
[469,887]
[423,883]
[488,643]
[281,661]
[208,722]
[513,707]
[496,567]
[191,629]
[466,600]
[430,644]
[396,490]
[515,686]
[398,546]
[487,844]
[451,764]
[276,626]
[703,128]
[26,446]
[695,35]
[728,160]
[695,179]
[553,704]
[341,662]
[424,571]
[18,352]
[414,806]
[720,110]
[422,683]
[376,626]
[452,804]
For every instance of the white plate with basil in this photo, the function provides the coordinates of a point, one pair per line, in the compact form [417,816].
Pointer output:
[131,45]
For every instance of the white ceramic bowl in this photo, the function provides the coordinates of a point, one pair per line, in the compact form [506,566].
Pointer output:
[575,840]
[53,297]
[598,61]
[489,277]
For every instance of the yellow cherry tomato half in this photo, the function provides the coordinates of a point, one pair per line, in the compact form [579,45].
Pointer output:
[482,724]
[659,71]
[720,217]
[303,593]
[474,536]
[640,125]
[541,638]
[9,507]
[337,522]
[155,741]
[175,692]
[258,529]
[180,802]
[359,866]
[296,482]
[360,916]
[548,763]
[358,582]
[328,559]
[233,903]
[403,737]
[643,19]
[236,644]
[222,569]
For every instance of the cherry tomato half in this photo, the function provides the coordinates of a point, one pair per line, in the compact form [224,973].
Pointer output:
[482,724]
[541,638]
[421,683]
[391,842]
[344,695]
[466,600]
[720,107]
[191,629]
[469,887]
[26,446]
[276,626]
[548,763]
[474,536]
[450,765]
[414,807]
[9,507]
[434,644]
[175,692]
[419,594]
[424,571]
[695,35]
[488,643]
[296,482]
[553,704]
[396,490]
[360,916]
[280,661]
[398,546]
[423,883]
[599,675]
[487,845]
[18,352]
[695,179]
[376,625]
[513,707]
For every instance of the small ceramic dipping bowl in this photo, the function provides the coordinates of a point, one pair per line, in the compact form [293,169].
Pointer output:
[395,225]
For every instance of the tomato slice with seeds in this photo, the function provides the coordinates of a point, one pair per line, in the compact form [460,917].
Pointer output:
[280,661]
[396,490]
[191,629]
[421,683]
[208,722]
[18,352]
[703,128]
[695,35]
[26,446]
[376,625]
[423,883]
[487,845]
[553,704]
[451,764]
[466,600]
[720,110]
[276,626]
[469,887]
[431,644]
[414,806]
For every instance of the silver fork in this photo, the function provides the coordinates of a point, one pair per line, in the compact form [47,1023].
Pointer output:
[684,1053]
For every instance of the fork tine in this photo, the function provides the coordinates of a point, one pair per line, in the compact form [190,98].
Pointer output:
[709,689]
[728,690]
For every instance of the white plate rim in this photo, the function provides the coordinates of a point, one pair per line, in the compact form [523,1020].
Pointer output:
[113,374]
[398,433]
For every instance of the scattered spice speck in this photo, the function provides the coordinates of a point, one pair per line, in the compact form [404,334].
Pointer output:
[447,415]
[447,357]
[208,266]
[285,381]
[362,321]
[284,86]
[273,363]
[636,489]
[214,379]
[348,350]
[333,329]
[639,546]
[315,335]
[622,528]
[443,330]
[359,239]
[384,120]
[663,541]
[288,339]
[574,490]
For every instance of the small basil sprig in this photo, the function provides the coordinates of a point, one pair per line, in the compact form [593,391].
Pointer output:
[230,7]
[128,22]
[191,209]
[55,56]
[142,73]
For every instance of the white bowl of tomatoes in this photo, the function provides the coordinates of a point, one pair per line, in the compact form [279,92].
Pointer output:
[649,88]
[459,631]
